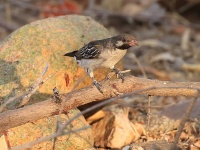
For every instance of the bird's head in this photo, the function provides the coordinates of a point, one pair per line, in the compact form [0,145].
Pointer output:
[125,41]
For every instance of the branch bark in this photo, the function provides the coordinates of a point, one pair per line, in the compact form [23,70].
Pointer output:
[13,118]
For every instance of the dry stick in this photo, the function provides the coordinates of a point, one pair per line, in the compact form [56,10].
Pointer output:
[55,139]
[13,118]
[127,104]
[185,39]
[183,121]
[149,110]
[102,104]
[10,100]
[148,114]
[61,129]
[35,86]
[139,65]
[40,82]
[32,89]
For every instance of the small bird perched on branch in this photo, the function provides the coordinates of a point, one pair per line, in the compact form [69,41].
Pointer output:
[103,53]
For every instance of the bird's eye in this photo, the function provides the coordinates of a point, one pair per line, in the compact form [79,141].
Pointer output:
[123,40]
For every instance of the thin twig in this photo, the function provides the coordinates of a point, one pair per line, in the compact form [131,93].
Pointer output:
[149,110]
[139,65]
[60,130]
[58,124]
[35,86]
[185,40]
[26,95]
[183,121]
[97,106]
[11,100]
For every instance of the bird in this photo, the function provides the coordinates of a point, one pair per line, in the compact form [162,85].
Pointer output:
[103,53]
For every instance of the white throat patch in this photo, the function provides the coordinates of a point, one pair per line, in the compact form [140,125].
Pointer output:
[119,43]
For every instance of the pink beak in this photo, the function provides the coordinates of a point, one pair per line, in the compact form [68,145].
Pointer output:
[133,43]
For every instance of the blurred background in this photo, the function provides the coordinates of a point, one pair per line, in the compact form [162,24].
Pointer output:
[168,31]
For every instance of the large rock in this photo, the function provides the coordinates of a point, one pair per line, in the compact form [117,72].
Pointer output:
[23,57]
[25,52]
[47,126]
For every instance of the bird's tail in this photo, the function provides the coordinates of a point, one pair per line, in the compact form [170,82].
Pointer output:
[71,54]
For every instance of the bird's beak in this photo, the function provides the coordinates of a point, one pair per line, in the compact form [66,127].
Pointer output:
[133,43]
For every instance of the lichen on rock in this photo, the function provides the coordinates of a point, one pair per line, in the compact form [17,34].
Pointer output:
[24,54]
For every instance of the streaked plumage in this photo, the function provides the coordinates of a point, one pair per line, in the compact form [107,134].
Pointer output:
[103,53]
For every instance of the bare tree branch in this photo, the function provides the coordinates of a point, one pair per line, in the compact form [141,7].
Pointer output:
[13,118]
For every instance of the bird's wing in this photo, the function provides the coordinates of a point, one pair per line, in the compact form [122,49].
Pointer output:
[89,51]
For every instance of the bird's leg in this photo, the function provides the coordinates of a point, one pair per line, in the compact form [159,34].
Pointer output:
[95,83]
[118,73]
[98,86]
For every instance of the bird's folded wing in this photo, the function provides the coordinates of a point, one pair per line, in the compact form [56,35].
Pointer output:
[89,51]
